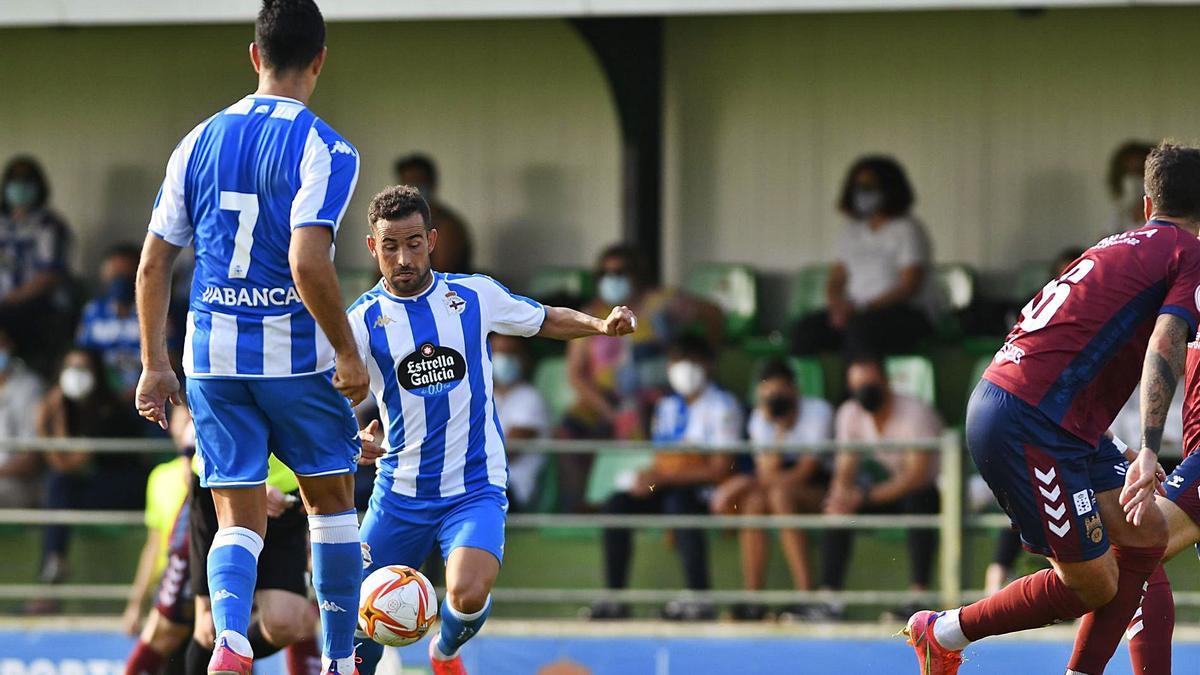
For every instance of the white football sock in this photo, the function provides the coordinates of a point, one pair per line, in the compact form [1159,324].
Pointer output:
[237,642]
[948,632]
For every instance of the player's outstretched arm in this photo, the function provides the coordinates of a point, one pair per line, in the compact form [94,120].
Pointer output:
[563,323]
[1165,359]
[317,282]
[158,383]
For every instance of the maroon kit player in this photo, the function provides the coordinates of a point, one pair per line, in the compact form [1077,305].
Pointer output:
[1120,314]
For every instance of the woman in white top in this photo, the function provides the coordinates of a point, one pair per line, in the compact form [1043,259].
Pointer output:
[881,296]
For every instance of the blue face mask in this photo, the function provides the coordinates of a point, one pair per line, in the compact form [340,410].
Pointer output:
[121,290]
[506,369]
[614,289]
[20,194]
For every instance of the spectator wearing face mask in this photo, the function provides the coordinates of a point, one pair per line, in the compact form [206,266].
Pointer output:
[1126,182]
[522,414]
[21,392]
[698,413]
[884,481]
[84,405]
[617,381]
[33,256]
[454,250]
[110,324]
[778,483]
[881,297]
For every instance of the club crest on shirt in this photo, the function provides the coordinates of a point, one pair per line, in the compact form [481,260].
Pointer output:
[1094,528]
[455,302]
[431,370]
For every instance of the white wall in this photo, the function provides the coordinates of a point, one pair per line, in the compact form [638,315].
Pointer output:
[1004,123]
[517,113]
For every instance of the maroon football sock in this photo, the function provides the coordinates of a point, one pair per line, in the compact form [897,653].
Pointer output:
[1150,630]
[144,660]
[1034,601]
[1100,631]
[304,658]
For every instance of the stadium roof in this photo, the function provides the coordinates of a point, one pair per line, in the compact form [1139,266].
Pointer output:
[85,12]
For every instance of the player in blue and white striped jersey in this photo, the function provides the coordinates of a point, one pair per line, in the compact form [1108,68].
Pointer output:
[424,337]
[260,189]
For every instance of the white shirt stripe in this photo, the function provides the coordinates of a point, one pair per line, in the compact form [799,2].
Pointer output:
[315,166]
[187,339]
[222,343]
[277,345]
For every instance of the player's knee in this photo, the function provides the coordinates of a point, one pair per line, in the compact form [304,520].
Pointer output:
[467,596]
[285,623]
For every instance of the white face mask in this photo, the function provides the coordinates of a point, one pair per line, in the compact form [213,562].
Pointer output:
[1133,188]
[77,383]
[614,288]
[686,378]
[506,369]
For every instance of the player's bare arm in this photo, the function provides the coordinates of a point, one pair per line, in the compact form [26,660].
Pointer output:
[563,323]
[158,383]
[1166,354]
[317,283]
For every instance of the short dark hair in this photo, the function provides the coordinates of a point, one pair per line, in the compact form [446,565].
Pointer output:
[632,255]
[1116,163]
[289,33]
[777,369]
[124,250]
[396,202]
[897,192]
[418,161]
[691,346]
[1173,181]
[36,173]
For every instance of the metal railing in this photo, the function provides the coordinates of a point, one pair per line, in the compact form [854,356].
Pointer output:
[952,522]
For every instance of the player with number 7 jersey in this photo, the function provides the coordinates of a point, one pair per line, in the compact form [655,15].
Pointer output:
[259,189]
[1036,427]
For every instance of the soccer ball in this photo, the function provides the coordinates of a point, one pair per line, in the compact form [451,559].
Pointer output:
[397,607]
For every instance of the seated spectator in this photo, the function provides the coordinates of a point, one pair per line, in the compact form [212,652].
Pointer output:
[776,483]
[907,479]
[881,293]
[20,394]
[618,380]
[33,258]
[84,405]
[110,325]
[453,252]
[522,414]
[699,413]
[1126,181]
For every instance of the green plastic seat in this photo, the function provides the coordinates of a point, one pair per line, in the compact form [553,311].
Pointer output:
[810,377]
[808,291]
[733,288]
[550,379]
[1031,277]
[612,471]
[913,375]
[957,283]
[561,284]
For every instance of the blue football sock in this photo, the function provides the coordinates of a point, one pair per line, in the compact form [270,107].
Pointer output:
[337,575]
[232,572]
[458,627]
[369,652]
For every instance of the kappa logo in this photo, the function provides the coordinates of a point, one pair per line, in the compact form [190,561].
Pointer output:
[455,303]
[383,320]
[1052,503]
[342,147]
[223,595]
[331,606]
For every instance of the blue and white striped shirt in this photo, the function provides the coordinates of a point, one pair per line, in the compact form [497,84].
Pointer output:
[431,374]
[238,185]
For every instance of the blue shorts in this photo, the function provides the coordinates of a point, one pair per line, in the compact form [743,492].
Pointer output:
[1183,487]
[1045,478]
[401,530]
[303,420]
